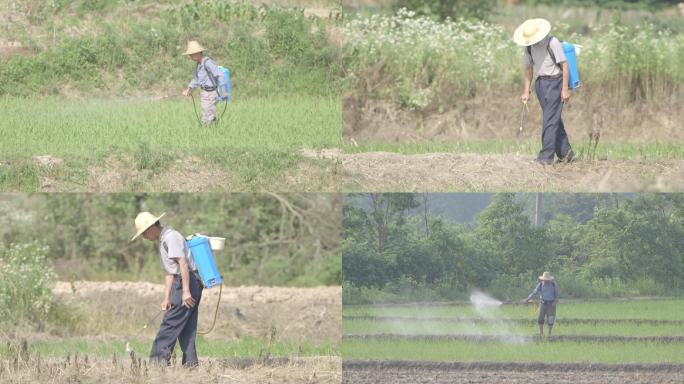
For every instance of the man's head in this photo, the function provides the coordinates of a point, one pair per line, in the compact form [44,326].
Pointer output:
[148,225]
[195,51]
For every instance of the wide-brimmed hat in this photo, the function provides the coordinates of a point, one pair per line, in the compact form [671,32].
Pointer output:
[145,220]
[193,47]
[546,276]
[531,32]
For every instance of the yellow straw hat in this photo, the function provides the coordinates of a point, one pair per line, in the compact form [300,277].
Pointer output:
[546,276]
[531,32]
[193,47]
[143,221]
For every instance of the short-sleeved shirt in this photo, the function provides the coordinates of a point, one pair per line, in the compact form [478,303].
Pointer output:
[172,246]
[543,62]
[201,79]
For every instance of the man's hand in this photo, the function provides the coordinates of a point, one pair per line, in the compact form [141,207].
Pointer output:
[165,305]
[525,96]
[188,301]
[186,91]
[565,95]
[526,300]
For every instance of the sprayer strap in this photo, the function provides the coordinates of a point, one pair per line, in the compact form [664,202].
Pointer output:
[211,77]
[548,49]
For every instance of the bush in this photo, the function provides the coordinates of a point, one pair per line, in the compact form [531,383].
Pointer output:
[26,283]
[477,9]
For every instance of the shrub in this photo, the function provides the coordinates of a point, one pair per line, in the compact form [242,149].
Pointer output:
[26,283]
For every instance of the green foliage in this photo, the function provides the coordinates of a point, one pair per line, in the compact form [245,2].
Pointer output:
[26,283]
[626,247]
[268,50]
[286,240]
[449,8]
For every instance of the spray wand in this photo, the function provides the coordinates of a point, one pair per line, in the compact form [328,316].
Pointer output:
[128,344]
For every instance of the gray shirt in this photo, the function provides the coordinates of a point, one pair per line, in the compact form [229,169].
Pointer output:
[542,60]
[172,246]
[201,79]
[549,291]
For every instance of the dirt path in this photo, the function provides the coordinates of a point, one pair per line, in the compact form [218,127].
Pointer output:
[401,372]
[383,171]
[311,315]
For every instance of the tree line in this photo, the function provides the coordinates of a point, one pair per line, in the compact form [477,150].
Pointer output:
[395,249]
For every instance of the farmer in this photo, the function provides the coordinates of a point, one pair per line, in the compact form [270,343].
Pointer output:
[182,291]
[206,78]
[545,54]
[548,290]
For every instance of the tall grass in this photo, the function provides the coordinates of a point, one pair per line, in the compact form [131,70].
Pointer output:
[423,64]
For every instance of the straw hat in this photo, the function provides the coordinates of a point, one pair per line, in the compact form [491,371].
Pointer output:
[546,276]
[143,221]
[531,32]
[193,47]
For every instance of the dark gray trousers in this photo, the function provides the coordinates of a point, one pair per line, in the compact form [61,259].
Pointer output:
[554,138]
[180,323]
[547,310]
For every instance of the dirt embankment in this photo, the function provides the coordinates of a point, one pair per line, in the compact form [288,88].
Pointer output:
[404,372]
[311,315]
[497,115]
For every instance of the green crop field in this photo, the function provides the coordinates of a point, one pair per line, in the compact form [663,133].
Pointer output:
[258,141]
[609,332]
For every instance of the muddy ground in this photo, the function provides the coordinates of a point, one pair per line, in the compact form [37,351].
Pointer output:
[384,171]
[119,309]
[361,372]
[316,370]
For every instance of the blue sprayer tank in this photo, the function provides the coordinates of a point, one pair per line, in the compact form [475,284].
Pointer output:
[204,259]
[571,57]
[224,79]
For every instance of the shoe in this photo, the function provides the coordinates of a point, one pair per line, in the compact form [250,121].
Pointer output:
[568,158]
[543,162]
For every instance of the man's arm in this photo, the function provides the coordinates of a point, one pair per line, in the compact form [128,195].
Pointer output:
[556,293]
[536,289]
[565,92]
[188,301]
[168,282]
[527,84]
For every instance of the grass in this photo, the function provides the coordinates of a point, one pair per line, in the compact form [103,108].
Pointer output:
[258,140]
[657,309]
[84,127]
[246,347]
[444,327]
[567,352]
[550,352]
[615,150]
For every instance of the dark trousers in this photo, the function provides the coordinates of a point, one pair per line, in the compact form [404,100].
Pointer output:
[554,138]
[180,323]
[547,310]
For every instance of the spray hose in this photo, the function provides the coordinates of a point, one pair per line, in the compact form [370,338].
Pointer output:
[213,322]
[194,109]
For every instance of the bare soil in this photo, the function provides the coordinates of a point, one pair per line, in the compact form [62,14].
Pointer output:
[311,315]
[401,372]
[384,171]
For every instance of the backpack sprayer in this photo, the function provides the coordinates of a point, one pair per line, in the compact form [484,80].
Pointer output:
[201,248]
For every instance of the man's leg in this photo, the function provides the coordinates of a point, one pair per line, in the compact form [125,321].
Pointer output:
[548,93]
[208,104]
[186,339]
[171,327]
[551,317]
[540,319]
